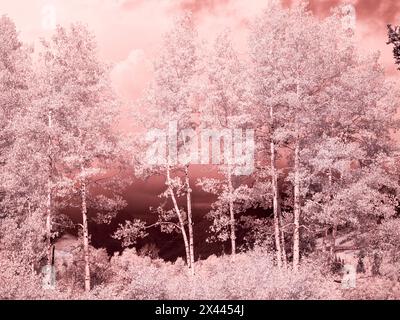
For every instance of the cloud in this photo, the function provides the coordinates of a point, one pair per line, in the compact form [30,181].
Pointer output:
[372,18]
[132,75]
[196,6]
[125,27]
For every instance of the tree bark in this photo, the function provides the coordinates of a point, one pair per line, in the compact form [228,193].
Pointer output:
[180,218]
[333,243]
[282,234]
[296,233]
[232,220]
[48,225]
[85,236]
[324,239]
[275,195]
[190,219]
[49,192]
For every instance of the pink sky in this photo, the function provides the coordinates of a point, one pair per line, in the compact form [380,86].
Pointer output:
[129,32]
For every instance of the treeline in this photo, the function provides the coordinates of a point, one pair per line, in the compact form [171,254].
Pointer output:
[324,123]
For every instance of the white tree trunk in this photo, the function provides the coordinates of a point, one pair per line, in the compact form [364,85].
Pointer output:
[190,219]
[85,237]
[48,225]
[274,179]
[232,220]
[333,244]
[324,239]
[282,234]
[49,193]
[180,218]
[334,227]
[296,233]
